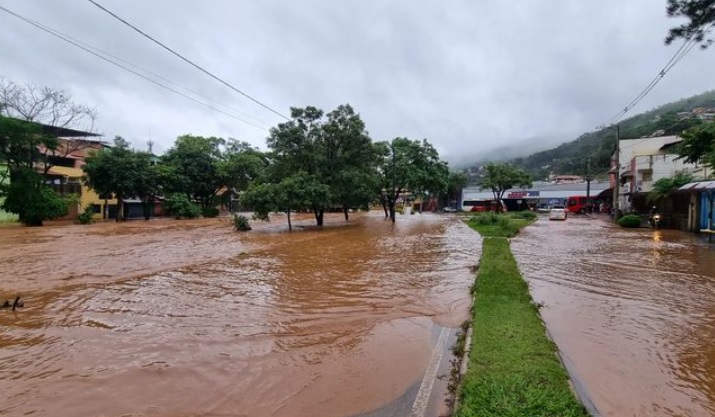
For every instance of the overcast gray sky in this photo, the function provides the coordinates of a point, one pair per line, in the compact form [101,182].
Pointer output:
[469,76]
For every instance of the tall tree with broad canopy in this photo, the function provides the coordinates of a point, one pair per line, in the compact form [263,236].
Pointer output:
[296,192]
[408,166]
[700,15]
[201,167]
[21,185]
[336,153]
[500,176]
[192,168]
[347,161]
[698,145]
[118,171]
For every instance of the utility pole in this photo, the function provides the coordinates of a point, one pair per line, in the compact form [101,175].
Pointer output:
[588,178]
[616,187]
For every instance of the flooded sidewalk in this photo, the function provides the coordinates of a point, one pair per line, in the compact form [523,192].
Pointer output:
[633,312]
[191,318]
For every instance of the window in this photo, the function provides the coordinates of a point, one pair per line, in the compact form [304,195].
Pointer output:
[96,208]
[648,176]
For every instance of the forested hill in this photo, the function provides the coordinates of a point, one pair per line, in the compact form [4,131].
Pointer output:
[572,157]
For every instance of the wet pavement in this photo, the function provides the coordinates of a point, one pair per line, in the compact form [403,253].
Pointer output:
[632,311]
[189,318]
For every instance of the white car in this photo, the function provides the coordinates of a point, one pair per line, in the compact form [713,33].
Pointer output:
[557,213]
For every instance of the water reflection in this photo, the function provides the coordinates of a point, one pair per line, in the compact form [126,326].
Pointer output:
[190,318]
[633,310]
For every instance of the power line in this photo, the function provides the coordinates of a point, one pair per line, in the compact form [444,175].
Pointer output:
[188,61]
[111,61]
[684,49]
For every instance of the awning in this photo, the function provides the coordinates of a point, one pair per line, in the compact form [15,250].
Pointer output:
[698,186]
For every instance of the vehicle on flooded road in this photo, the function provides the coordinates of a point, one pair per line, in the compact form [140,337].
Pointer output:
[558,213]
[579,204]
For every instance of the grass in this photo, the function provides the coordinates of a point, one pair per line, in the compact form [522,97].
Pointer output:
[500,225]
[513,370]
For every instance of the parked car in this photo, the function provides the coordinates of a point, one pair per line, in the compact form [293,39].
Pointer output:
[557,213]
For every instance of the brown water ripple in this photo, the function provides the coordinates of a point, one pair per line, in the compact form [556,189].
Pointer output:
[631,310]
[190,318]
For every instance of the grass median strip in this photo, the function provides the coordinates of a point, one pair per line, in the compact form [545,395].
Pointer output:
[513,369]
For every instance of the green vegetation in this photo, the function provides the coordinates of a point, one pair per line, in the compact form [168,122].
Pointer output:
[500,176]
[512,370]
[492,224]
[630,221]
[240,223]
[571,157]
[180,206]
[87,216]
[699,14]
[664,187]
[409,165]
[698,145]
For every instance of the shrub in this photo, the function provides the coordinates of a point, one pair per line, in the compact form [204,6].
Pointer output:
[87,216]
[180,206]
[240,223]
[485,219]
[526,215]
[210,212]
[630,221]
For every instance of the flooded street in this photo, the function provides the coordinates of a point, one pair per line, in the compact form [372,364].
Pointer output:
[633,312]
[189,318]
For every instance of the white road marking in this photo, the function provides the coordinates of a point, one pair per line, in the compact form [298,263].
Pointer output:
[419,407]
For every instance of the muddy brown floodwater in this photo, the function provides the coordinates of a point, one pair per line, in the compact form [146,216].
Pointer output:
[633,312]
[188,318]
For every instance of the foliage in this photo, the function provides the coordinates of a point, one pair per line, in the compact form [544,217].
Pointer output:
[513,370]
[630,221]
[699,13]
[498,225]
[122,172]
[527,215]
[500,177]
[297,192]
[87,216]
[240,223]
[201,167]
[180,206]
[32,200]
[600,144]
[698,145]
[210,212]
[664,187]
[409,166]
[334,151]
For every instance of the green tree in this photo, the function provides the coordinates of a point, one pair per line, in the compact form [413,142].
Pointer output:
[296,192]
[499,177]
[698,145]
[455,183]
[336,153]
[665,187]
[114,171]
[193,168]
[241,164]
[699,14]
[347,161]
[26,193]
[408,166]
[32,200]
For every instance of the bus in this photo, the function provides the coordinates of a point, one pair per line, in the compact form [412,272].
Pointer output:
[579,204]
[481,205]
